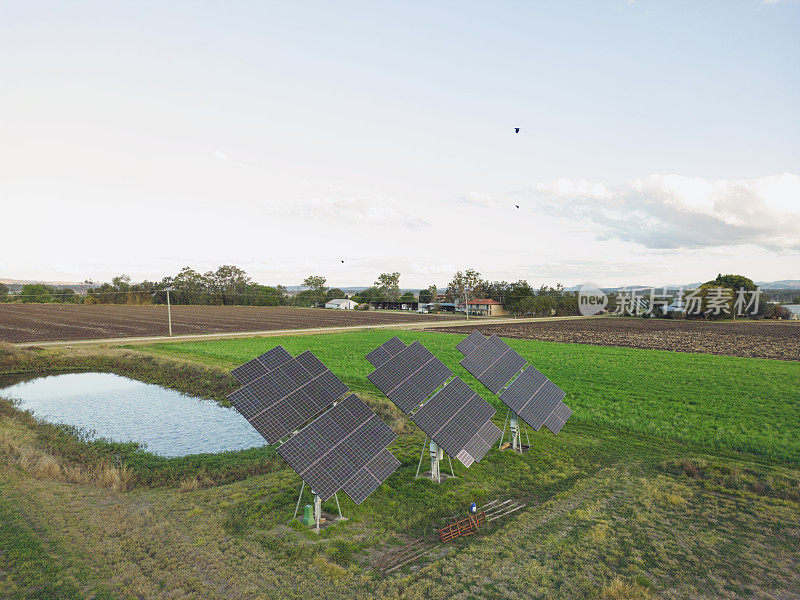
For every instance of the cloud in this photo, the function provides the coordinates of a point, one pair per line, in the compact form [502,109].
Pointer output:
[479,199]
[361,211]
[673,211]
[221,155]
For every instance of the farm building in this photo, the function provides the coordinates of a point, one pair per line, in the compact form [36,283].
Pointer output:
[795,310]
[393,305]
[486,307]
[341,303]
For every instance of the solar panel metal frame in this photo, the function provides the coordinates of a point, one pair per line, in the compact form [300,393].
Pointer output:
[385,351]
[453,417]
[410,376]
[260,365]
[533,397]
[469,343]
[370,477]
[332,449]
[285,397]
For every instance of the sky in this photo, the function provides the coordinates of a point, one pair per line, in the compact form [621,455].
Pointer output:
[659,142]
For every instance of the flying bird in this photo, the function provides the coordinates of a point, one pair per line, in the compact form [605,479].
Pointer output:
[517,205]
[342,262]
[516,129]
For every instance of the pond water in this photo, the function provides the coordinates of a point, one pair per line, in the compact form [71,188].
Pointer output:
[165,421]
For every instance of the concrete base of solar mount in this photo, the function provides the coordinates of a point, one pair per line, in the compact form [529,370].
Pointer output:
[326,521]
[427,475]
[507,446]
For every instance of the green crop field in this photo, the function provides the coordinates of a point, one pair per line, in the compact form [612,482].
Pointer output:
[642,495]
[745,404]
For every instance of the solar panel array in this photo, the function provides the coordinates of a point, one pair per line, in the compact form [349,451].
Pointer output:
[252,370]
[342,448]
[287,395]
[332,451]
[385,351]
[531,395]
[455,417]
[410,376]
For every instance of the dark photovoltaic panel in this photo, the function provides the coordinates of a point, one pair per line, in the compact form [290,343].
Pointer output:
[533,397]
[493,362]
[385,351]
[479,445]
[469,343]
[453,417]
[558,417]
[282,399]
[252,370]
[332,449]
[371,476]
[410,376]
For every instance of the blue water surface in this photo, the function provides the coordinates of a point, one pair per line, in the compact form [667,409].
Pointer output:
[126,410]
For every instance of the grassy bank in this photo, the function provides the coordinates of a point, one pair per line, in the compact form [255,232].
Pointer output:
[55,450]
[746,404]
[611,512]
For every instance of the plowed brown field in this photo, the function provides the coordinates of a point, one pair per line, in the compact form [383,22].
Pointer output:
[759,339]
[51,322]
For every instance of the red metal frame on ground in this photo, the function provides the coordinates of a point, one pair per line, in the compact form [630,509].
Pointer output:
[462,528]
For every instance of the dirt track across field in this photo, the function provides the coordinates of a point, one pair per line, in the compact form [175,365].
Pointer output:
[52,322]
[758,339]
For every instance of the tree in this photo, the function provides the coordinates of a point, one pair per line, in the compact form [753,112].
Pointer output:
[408,297]
[37,292]
[467,283]
[334,293]
[371,294]
[3,292]
[429,295]
[389,285]
[318,288]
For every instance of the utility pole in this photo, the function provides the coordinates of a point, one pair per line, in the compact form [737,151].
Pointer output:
[169,313]
[466,304]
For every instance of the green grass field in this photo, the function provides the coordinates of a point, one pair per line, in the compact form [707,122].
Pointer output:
[746,404]
[638,497]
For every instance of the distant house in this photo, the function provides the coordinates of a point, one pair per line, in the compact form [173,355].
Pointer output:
[486,307]
[394,305]
[794,309]
[341,303]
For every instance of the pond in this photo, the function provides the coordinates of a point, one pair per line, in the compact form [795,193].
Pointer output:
[165,421]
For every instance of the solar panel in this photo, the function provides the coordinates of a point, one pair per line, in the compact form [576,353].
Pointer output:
[469,343]
[385,351]
[283,398]
[493,362]
[453,416]
[410,376]
[333,449]
[367,479]
[533,397]
[252,370]
[486,437]
[558,417]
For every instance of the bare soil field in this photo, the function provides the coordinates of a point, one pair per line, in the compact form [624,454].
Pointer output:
[757,339]
[52,322]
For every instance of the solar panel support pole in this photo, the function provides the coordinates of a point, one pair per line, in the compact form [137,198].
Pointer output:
[502,437]
[452,472]
[317,509]
[527,438]
[515,441]
[300,497]
[336,495]
[436,455]
[421,455]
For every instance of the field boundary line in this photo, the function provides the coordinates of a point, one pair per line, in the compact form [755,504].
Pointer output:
[413,325]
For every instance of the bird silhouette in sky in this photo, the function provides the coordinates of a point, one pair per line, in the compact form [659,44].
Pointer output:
[516,129]
[342,262]
[517,205]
